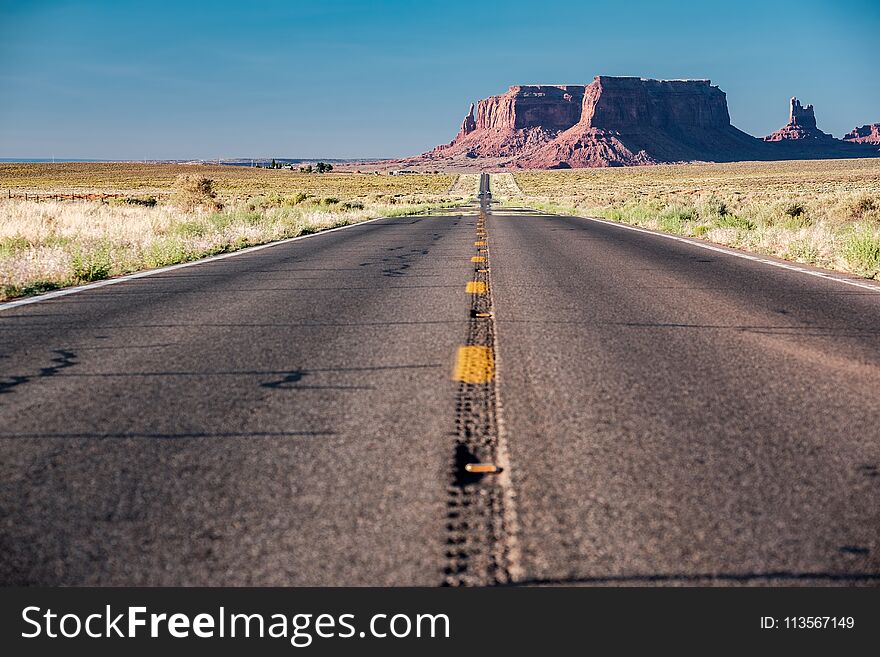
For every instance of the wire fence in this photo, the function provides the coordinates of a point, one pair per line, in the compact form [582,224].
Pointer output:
[71,196]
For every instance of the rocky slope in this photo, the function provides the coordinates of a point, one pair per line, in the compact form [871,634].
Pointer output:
[516,121]
[620,121]
[867,134]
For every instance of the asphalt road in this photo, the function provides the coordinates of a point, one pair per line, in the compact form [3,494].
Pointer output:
[661,413]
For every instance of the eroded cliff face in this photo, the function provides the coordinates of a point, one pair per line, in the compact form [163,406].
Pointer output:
[632,121]
[515,122]
[552,107]
[867,134]
[615,103]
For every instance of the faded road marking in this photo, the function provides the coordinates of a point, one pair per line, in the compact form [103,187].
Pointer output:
[474,365]
[475,287]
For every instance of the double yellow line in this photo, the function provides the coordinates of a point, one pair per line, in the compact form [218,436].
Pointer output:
[476,363]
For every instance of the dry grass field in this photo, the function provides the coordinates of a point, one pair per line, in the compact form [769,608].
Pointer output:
[165,214]
[825,213]
[230,182]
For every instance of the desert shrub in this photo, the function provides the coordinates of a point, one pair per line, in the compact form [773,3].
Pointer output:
[58,241]
[273,200]
[732,221]
[713,206]
[351,205]
[90,264]
[219,221]
[803,251]
[165,252]
[861,251]
[863,206]
[249,218]
[14,244]
[701,230]
[328,200]
[670,223]
[795,210]
[192,192]
[144,201]
[289,200]
[191,229]
[794,223]
[680,212]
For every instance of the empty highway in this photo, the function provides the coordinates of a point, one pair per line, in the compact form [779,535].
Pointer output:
[485,397]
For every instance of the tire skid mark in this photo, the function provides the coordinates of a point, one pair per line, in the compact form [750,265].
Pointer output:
[480,546]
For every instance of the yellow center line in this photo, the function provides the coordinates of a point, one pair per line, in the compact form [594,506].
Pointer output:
[474,364]
[478,259]
[479,243]
[475,287]
[484,468]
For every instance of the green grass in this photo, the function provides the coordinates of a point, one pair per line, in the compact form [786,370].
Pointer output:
[143,237]
[861,250]
[824,213]
[91,263]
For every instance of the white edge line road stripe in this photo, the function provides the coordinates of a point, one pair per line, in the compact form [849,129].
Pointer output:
[739,254]
[161,270]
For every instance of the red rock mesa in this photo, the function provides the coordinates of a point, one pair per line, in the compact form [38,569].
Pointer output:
[867,134]
[619,121]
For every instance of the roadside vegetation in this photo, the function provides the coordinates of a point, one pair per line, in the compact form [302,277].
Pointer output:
[466,185]
[171,214]
[822,212]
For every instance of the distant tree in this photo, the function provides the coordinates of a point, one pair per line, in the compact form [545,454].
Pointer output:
[323,167]
[274,165]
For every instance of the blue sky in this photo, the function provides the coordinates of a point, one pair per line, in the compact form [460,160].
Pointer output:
[158,79]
